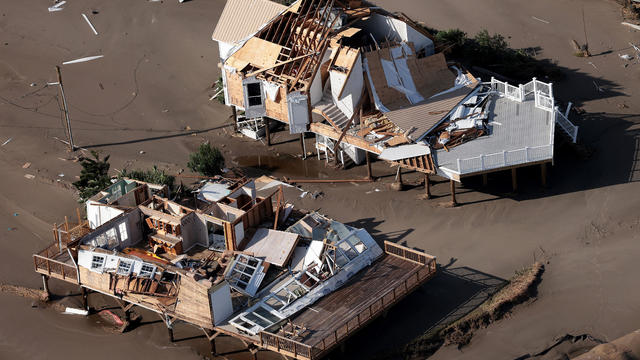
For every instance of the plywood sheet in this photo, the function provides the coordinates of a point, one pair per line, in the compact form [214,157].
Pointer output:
[257,52]
[274,246]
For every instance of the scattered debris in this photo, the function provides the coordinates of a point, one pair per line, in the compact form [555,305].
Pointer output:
[544,21]
[57,7]
[6,142]
[90,24]
[61,175]
[26,165]
[33,84]
[625,57]
[592,64]
[84,59]
[29,176]
[141,152]
[637,27]
[74,311]
[598,88]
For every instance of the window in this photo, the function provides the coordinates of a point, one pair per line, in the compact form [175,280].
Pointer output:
[124,267]
[146,270]
[254,94]
[97,262]
[123,232]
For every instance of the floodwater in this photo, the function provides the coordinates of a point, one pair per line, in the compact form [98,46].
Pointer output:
[283,165]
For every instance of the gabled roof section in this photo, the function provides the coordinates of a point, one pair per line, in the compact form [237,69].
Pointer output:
[241,18]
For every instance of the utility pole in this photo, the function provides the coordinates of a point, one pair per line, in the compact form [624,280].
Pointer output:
[72,147]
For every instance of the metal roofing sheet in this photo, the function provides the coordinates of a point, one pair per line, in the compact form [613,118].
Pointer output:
[241,18]
[420,118]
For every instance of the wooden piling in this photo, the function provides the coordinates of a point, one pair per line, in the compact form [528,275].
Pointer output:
[45,286]
[234,113]
[427,186]
[454,203]
[85,298]
[369,173]
[543,174]
[514,180]
[170,330]
[267,130]
[485,179]
[302,148]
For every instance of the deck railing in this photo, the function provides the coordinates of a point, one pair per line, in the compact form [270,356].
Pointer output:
[542,92]
[566,125]
[285,346]
[408,253]
[64,235]
[503,159]
[56,269]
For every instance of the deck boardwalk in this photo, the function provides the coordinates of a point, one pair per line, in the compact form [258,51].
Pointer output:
[330,321]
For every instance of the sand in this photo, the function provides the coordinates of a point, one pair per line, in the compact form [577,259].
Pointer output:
[155,80]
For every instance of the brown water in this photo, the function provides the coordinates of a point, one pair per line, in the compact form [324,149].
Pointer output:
[283,165]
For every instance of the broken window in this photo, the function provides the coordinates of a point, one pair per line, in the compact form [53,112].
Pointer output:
[246,274]
[124,267]
[256,319]
[97,262]
[254,94]
[146,270]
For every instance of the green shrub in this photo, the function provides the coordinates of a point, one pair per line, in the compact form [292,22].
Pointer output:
[207,161]
[153,176]
[452,39]
[220,86]
[94,176]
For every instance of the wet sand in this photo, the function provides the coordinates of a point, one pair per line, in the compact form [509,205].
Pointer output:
[155,81]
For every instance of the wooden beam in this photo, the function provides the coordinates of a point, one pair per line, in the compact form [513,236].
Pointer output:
[278,64]
[329,131]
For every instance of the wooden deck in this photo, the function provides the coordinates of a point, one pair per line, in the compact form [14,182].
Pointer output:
[335,317]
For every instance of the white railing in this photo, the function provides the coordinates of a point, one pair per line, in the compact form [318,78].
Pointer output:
[504,159]
[542,92]
[566,125]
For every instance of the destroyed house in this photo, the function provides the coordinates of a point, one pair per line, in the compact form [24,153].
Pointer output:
[236,260]
[365,81]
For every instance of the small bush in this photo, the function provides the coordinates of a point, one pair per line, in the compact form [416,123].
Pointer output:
[454,38]
[94,176]
[153,176]
[207,161]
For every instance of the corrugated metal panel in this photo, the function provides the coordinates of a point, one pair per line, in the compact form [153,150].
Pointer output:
[241,18]
[427,114]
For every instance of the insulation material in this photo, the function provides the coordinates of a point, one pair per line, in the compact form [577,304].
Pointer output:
[271,89]
[298,107]
[399,77]
[376,99]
